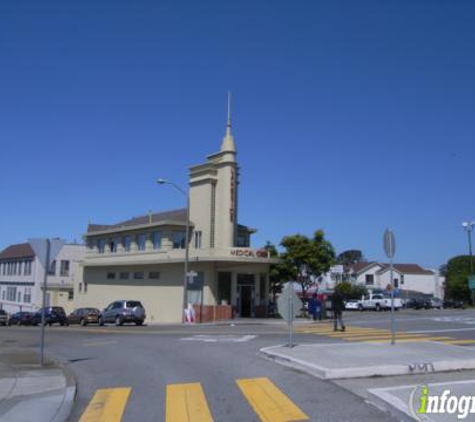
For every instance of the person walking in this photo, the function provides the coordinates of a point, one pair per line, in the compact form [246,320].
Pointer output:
[337,307]
[315,308]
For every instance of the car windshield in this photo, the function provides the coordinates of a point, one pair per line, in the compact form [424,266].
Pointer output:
[133,304]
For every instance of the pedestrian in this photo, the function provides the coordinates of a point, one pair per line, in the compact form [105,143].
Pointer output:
[337,308]
[318,308]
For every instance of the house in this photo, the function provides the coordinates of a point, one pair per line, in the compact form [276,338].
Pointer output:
[22,278]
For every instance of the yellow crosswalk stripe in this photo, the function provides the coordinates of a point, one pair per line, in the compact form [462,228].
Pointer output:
[457,342]
[358,333]
[384,335]
[107,405]
[270,404]
[187,403]
[407,340]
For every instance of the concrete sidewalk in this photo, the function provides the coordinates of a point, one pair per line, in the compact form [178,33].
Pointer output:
[31,392]
[360,359]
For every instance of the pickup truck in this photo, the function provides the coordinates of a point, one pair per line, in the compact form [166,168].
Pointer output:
[379,302]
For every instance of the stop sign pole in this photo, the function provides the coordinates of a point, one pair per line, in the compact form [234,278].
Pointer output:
[389,243]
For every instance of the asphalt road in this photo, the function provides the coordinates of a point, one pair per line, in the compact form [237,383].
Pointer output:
[148,359]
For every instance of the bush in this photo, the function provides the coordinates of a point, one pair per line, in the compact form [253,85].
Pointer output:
[456,284]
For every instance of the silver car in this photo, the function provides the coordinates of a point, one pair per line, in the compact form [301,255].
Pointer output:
[122,311]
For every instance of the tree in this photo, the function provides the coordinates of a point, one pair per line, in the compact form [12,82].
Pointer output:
[276,274]
[306,258]
[350,257]
[351,291]
[456,285]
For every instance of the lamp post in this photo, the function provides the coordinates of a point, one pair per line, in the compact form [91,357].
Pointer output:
[468,226]
[187,234]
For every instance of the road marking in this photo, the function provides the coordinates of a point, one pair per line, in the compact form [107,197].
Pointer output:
[386,335]
[457,342]
[270,404]
[220,338]
[445,330]
[107,405]
[187,403]
[409,340]
[98,343]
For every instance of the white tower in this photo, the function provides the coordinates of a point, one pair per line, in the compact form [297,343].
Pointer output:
[213,194]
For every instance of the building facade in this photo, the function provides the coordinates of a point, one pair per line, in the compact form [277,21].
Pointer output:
[143,258]
[22,277]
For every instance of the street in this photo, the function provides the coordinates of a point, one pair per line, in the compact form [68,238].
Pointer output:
[156,361]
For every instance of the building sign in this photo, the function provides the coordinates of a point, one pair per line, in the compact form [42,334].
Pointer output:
[233,196]
[249,253]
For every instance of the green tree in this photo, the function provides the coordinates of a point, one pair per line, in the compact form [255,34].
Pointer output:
[351,291]
[456,284]
[276,274]
[350,257]
[306,258]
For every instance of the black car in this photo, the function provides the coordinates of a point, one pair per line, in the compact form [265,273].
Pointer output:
[3,317]
[418,304]
[21,318]
[53,315]
[459,304]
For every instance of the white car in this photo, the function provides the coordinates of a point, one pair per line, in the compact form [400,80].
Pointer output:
[353,305]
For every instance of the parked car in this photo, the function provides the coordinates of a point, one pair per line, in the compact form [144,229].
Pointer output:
[454,304]
[84,316]
[418,304]
[21,318]
[436,303]
[53,315]
[3,317]
[378,302]
[122,311]
[353,305]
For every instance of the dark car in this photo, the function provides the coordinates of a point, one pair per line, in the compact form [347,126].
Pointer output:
[418,304]
[53,315]
[454,304]
[3,317]
[21,318]
[84,316]
[122,311]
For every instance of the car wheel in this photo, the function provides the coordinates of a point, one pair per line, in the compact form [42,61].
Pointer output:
[82,323]
[101,321]
[378,308]
[138,322]
[360,308]
[118,321]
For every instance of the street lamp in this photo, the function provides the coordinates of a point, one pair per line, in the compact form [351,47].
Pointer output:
[187,234]
[468,226]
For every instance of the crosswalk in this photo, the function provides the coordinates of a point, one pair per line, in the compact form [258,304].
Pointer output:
[376,335]
[187,403]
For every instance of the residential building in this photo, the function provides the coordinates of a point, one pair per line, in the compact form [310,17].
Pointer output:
[22,278]
[143,258]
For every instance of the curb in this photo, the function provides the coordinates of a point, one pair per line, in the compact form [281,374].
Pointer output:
[67,404]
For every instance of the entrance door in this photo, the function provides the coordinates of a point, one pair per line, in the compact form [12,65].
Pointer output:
[246,298]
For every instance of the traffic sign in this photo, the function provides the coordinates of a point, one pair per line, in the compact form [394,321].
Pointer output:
[288,304]
[40,247]
[471,282]
[389,243]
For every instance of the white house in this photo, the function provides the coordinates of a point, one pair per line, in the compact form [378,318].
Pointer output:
[22,277]
[408,278]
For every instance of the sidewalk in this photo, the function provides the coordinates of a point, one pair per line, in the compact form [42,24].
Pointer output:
[31,392]
[354,360]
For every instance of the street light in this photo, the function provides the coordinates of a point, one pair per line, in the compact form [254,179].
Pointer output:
[187,234]
[468,226]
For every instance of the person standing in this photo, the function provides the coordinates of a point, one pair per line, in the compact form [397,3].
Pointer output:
[337,307]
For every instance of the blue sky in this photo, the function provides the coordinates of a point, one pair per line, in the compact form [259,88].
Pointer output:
[349,116]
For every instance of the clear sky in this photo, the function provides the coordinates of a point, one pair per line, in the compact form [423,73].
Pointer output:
[349,116]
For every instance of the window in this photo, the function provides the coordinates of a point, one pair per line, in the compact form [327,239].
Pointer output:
[110,276]
[157,240]
[402,278]
[138,275]
[179,240]
[64,269]
[113,245]
[80,287]
[155,275]
[85,287]
[141,239]
[224,288]
[101,245]
[127,241]
[52,268]
[19,297]
[369,278]
[11,293]
[27,295]
[124,276]
[70,295]
[242,241]
[198,236]
[3,295]
[396,283]
[27,267]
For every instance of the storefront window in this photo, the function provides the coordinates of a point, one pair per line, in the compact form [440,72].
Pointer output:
[224,288]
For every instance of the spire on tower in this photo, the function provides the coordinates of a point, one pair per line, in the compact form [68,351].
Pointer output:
[228,140]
